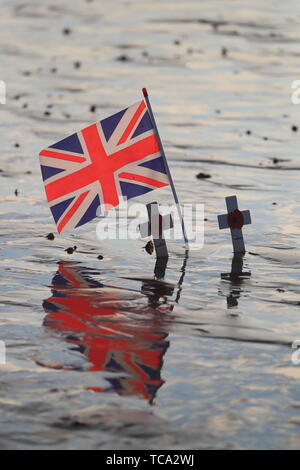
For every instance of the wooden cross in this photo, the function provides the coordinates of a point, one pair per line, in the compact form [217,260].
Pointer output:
[235,220]
[155,227]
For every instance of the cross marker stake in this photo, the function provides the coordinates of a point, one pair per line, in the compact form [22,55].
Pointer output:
[147,100]
[235,220]
[155,227]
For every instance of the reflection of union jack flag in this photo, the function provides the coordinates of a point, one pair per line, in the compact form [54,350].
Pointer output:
[116,158]
[94,318]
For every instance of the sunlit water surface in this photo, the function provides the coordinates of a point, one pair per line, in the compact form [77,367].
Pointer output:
[99,355]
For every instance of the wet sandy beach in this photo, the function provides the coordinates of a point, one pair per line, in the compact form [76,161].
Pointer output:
[100,356]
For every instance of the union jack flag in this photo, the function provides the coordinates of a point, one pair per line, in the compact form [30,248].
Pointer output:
[101,165]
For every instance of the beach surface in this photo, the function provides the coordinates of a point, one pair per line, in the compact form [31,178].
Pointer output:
[99,355]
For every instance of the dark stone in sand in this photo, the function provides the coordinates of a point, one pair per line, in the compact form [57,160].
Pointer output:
[275,160]
[77,64]
[218,111]
[145,54]
[123,58]
[66,31]
[69,250]
[266,138]
[100,257]
[280,290]
[294,128]
[28,172]
[27,73]
[177,42]
[93,108]
[67,115]
[54,70]
[149,247]
[50,236]
[224,51]
[274,203]
[17,145]
[16,192]
[248,132]
[25,105]
[205,220]
[201,176]
[47,113]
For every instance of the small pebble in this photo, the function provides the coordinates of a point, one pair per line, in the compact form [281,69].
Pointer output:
[123,58]
[66,31]
[224,51]
[54,70]
[294,128]
[50,236]
[70,250]
[274,203]
[100,257]
[149,247]
[47,113]
[177,42]
[16,192]
[17,145]
[248,132]
[275,160]
[77,64]
[93,108]
[280,290]
[203,176]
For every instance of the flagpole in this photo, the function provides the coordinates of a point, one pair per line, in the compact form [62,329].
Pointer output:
[186,241]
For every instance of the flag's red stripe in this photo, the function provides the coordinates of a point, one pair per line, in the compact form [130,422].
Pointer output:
[134,152]
[132,122]
[142,179]
[72,211]
[62,156]
[70,183]
[94,145]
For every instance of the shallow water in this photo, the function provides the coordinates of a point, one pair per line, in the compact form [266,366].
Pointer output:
[99,355]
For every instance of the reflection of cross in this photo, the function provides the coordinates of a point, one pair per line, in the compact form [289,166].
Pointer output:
[236,278]
[235,220]
[236,269]
[156,226]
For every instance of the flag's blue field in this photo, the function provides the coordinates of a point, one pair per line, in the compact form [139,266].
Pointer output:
[99,355]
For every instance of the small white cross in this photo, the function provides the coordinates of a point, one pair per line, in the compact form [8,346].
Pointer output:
[235,220]
[156,226]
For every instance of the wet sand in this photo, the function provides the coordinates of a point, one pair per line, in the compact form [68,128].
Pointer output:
[99,356]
